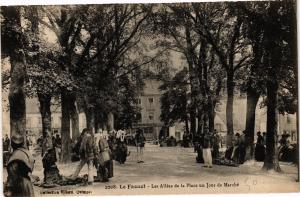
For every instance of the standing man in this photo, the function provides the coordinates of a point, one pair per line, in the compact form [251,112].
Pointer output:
[207,149]
[259,148]
[242,148]
[104,164]
[6,143]
[140,144]
[19,166]
[235,151]
[87,154]
[216,139]
[6,149]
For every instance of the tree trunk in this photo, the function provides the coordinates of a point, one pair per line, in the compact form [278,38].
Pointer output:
[16,97]
[110,121]
[271,160]
[65,126]
[211,114]
[90,119]
[51,172]
[17,104]
[97,121]
[193,121]
[193,79]
[252,99]
[187,125]
[200,122]
[229,108]
[45,110]
[74,117]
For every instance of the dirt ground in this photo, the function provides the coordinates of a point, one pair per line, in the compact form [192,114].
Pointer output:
[169,170]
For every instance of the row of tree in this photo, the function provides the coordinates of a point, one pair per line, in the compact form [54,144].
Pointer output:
[248,47]
[87,57]
[92,59]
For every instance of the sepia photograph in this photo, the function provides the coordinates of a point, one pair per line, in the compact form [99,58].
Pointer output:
[149,98]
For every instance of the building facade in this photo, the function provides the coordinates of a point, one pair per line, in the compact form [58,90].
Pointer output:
[149,117]
[34,118]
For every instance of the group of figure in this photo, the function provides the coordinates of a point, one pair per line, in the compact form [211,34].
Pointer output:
[118,145]
[187,139]
[94,151]
[207,146]
[287,150]
[237,152]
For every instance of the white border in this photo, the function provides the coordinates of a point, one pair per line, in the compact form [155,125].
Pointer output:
[64,2]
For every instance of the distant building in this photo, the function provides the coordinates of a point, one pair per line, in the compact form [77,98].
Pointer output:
[149,117]
[286,123]
[34,119]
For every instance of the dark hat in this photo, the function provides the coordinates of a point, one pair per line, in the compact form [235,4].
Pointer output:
[17,139]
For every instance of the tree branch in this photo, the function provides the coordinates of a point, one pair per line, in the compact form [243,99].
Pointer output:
[241,63]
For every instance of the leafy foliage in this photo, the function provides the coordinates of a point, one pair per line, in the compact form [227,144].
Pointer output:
[174,101]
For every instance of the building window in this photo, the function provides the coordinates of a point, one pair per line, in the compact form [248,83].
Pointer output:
[28,121]
[139,101]
[148,130]
[288,120]
[150,100]
[151,116]
[139,117]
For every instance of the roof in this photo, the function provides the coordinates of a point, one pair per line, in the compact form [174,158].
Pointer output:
[152,87]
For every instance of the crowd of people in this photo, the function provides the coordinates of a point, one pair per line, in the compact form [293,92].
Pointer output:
[98,150]
[94,150]
[207,146]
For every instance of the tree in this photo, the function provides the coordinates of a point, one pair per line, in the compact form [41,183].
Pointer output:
[15,42]
[128,108]
[252,84]
[121,32]
[280,52]
[67,25]
[221,25]
[169,21]
[174,100]
[175,21]
[273,36]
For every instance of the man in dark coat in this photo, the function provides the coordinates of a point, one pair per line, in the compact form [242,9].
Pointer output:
[6,143]
[19,166]
[259,148]
[140,144]
[216,139]
[87,154]
[199,149]
[242,148]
